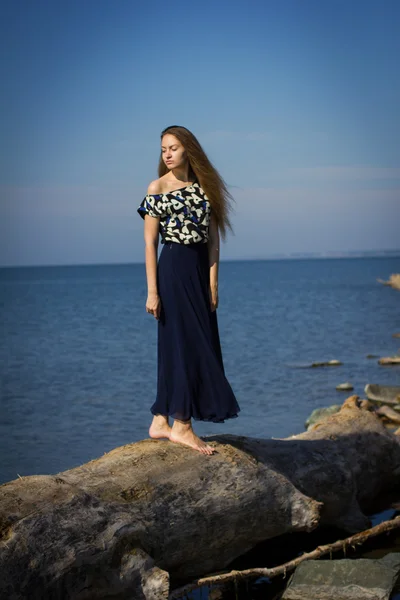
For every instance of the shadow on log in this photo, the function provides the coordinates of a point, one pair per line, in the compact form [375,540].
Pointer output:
[121,526]
[283,569]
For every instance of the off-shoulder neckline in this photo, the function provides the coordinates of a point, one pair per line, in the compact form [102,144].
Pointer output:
[176,190]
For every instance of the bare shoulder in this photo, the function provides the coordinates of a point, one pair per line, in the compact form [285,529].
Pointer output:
[155,187]
[158,186]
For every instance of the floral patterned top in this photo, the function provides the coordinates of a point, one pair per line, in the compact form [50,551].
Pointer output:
[184,214]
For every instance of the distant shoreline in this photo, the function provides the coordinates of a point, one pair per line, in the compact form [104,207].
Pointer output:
[271,257]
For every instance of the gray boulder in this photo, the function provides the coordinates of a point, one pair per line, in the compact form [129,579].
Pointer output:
[347,579]
[387,394]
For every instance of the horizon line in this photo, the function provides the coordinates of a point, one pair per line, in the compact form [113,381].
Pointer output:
[330,255]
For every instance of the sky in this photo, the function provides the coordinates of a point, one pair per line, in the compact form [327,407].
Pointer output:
[296,103]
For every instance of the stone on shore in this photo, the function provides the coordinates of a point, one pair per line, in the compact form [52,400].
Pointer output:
[389,360]
[367,405]
[344,387]
[319,414]
[347,579]
[328,363]
[388,413]
[387,394]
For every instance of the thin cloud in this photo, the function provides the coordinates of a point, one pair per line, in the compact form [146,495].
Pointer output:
[346,173]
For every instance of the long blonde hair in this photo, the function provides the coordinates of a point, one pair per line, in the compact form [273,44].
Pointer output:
[201,169]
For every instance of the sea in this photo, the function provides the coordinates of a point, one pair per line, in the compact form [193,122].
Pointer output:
[78,352]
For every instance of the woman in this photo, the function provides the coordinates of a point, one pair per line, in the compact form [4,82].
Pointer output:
[188,206]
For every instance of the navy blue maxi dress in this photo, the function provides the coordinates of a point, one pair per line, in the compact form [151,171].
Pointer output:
[191,381]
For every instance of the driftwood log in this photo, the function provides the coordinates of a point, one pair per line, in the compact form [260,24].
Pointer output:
[151,514]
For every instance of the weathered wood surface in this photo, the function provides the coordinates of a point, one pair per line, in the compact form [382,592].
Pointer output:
[119,526]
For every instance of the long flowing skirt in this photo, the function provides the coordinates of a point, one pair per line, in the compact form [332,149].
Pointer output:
[191,381]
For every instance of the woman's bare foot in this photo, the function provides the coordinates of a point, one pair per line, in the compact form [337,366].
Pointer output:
[159,427]
[182,433]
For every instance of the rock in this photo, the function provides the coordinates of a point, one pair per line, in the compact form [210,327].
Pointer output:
[372,356]
[393,281]
[347,579]
[319,414]
[329,363]
[396,335]
[389,413]
[389,360]
[387,394]
[367,405]
[345,387]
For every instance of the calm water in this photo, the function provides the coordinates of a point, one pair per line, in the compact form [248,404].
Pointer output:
[78,351]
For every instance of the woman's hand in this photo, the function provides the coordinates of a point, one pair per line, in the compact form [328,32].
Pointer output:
[213,298]
[153,305]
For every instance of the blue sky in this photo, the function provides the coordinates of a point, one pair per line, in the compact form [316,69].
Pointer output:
[296,102]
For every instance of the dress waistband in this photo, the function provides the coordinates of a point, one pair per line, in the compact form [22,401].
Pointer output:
[192,246]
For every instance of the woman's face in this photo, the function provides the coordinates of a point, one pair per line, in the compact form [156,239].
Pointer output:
[173,153]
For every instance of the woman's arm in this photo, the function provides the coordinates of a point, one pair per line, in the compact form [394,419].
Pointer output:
[151,229]
[213,254]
